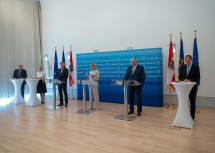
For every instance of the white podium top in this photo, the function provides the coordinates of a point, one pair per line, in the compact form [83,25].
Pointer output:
[17,80]
[182,83]
[32,79]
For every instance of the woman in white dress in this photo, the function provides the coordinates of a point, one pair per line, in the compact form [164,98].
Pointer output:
[41,86]
[93,89]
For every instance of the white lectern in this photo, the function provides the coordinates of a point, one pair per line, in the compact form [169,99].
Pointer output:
[84,83]
[17,98]
[55,82]
[125,83]
[183,118]
[33,99]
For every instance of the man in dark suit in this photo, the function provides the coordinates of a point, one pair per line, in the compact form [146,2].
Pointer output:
[21,74]
[190,73]
[62,75]
[135,72]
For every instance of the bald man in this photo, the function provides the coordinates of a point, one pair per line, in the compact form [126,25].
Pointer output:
[135,72]
[21,74]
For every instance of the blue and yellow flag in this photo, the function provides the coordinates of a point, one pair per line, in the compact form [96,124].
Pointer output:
[181,56]
[63,56]
[55,65]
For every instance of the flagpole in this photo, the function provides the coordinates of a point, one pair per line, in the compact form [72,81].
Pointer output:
[170,107]
[195,31]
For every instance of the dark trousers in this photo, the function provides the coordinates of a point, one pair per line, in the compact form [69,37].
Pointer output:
[138,91]
[23,90]
[62,88]
[192,97]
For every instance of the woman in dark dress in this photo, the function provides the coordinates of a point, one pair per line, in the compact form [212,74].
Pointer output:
[41,86]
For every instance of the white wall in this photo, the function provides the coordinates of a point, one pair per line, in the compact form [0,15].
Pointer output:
[106,25]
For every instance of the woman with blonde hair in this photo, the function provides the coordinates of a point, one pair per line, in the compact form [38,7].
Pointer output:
[93,88]
[41,86]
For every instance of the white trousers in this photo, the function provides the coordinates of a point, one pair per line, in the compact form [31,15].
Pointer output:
[94,97]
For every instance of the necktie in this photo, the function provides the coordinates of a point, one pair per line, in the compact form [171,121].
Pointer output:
[19,73]
[133,69]
[188,69]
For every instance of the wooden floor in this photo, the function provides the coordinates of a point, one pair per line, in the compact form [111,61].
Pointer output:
[38,130]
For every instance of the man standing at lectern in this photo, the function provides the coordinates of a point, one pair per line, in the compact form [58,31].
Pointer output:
[62,75]
[190,73]
[21,74]
[135,72]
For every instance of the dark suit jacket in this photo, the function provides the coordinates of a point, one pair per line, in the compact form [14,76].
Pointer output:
[194,73]
[23,74]
[63,76]
[139,74]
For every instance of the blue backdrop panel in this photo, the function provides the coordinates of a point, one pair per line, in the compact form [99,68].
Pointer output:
[112,66]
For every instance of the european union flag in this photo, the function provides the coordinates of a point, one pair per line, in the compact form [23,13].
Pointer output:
[195,55]
[55,65]
[181,56]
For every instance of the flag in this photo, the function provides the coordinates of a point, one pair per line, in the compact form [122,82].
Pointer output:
[63,56]
[181,56]
[195,55]
[55,65]
[71,69]
[171,67]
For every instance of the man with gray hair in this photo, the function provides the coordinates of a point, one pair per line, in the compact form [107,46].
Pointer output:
[21,74]
[135,72]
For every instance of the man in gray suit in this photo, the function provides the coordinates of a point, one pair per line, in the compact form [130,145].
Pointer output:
[135,72]
[21,74]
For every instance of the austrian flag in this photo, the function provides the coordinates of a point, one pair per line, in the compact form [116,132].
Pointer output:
[171,67]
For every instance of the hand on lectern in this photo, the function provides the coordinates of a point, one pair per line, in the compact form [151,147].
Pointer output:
[187,80]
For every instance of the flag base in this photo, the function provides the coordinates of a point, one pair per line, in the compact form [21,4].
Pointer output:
[170,107]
